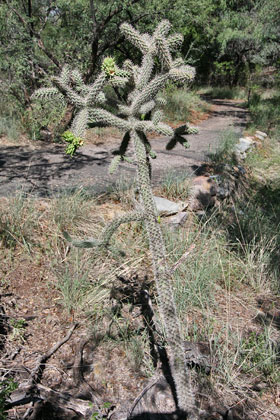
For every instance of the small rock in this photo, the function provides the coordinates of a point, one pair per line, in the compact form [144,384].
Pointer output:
[258,136]
[46,135]
[202,194]
[178,219]
[259,386]
[234,414]
[261,133]
[244,144]
[166,207]
[239,155]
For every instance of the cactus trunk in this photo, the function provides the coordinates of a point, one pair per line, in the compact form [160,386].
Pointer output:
[163,281]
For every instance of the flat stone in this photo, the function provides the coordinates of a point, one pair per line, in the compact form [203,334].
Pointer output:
[166,207]
[177,220]
[240,155]
[261,133]
[258,136]
[244,144]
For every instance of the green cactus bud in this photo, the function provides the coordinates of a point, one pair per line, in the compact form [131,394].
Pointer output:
[109,66]
[74,142]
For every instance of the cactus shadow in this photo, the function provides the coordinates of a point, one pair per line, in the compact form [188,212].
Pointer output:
[45,171]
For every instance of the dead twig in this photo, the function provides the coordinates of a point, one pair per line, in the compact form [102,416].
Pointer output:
[37,371]
[182,258]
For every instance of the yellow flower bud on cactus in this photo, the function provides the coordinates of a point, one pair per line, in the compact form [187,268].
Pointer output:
[109,66]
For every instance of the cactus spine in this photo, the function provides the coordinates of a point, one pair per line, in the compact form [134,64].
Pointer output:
[143,99]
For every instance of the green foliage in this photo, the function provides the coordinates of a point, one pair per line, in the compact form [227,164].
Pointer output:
[43,115]
[228,39]
[98,415]
[17,222]
[74,142]
[180,103]
[258,353]
[175,186]
[223,72]
[10,127]
[224,92]
[224,152]
[265,112]
[7,387]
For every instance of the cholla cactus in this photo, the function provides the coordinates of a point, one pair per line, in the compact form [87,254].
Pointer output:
[143,99]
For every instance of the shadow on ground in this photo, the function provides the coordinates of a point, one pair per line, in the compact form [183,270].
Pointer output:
[41,171]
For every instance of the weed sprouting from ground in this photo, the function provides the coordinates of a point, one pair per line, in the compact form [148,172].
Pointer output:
[225,92]
[224,152]
[18,220]
[71,208]
[265,112]
[175,186]
[182,103]
[9,127]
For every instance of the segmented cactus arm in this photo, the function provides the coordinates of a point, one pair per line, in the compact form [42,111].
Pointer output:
[107,233]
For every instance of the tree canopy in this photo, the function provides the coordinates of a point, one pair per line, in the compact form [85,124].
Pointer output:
[222,38]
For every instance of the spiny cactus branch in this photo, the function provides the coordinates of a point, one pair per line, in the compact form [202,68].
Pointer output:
[107,233]
[142,101]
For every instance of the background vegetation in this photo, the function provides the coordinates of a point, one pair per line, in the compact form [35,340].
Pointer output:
[230,42]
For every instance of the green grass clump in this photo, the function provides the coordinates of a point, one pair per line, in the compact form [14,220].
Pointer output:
[208,266]
[175,186]
[224,153]
[181,103]
[70,208]
[18,221]
[265,112]
[224,92]
[10,127]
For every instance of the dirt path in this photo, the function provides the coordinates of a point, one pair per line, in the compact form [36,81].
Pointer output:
[46,170]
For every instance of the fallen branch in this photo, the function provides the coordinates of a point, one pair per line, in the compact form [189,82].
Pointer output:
[182,258]
[39,392]
[37,371]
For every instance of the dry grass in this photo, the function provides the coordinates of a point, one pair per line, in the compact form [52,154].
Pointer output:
[225,291]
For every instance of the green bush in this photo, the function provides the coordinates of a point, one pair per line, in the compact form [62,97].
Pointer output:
[10,127]
[265,112]
[225,92]
[224,152]
[38,116]
[181,103]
